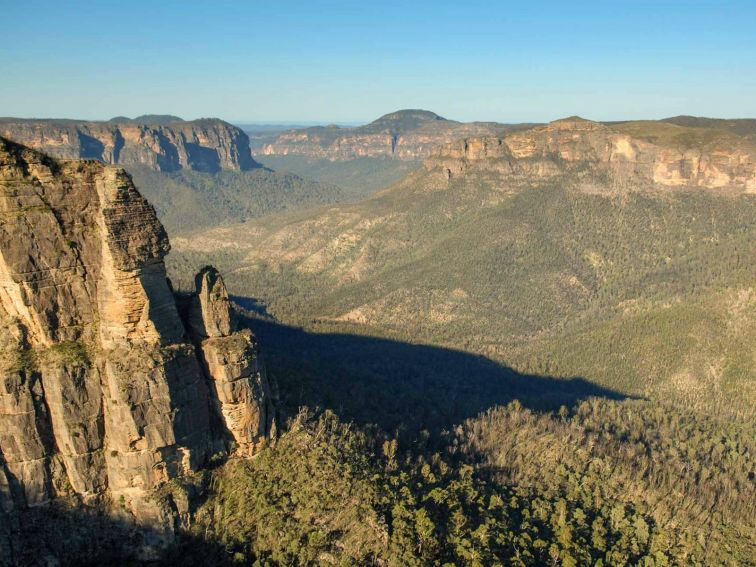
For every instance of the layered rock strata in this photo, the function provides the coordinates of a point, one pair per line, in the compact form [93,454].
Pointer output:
[574,143]
[405,135]
[207,145]
[240,392]
[103,394]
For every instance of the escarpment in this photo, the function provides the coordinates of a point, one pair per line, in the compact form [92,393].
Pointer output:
[171,144]
[403,135]
[106,392]
[575,145]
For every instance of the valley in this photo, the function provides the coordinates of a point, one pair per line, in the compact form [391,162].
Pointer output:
[378,284]
[357,177]
[530,347]
[543,263]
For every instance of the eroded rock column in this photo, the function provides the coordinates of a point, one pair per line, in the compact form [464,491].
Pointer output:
[239,387]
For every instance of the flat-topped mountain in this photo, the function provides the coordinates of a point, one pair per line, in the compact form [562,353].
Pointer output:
[404,135]
[196,173]
[111,385]
[162,143]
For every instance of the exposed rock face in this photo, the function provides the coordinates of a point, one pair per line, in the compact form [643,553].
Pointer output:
[406,135]
[207,145]
[240,390]
[103,395]
[573,143]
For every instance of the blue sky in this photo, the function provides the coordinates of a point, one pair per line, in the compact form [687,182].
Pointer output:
[353,61]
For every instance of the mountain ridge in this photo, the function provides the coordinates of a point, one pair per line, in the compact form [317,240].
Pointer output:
[408,134]
[148,119]
[631,153]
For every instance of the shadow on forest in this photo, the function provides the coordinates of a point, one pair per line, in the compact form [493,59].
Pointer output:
[58,534]
[400,386]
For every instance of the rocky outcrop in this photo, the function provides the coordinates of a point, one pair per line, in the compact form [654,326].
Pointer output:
[241,396]
[208,145]
[405,135]
[105,393]
[573,144]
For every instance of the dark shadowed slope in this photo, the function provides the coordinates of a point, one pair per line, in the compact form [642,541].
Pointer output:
[402,386]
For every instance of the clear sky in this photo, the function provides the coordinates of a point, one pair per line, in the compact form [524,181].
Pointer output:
[277,60]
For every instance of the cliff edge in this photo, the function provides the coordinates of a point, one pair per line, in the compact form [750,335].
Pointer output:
[159,143]
[626,154]
[110,385]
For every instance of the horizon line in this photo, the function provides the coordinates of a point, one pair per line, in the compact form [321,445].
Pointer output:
[355,123]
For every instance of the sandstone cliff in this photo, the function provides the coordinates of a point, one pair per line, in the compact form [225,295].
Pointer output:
[575,144]
[239,389]
[106,392]
[207,145]
[405,135]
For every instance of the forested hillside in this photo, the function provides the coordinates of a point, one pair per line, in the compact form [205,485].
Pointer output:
[549,280]
[493,362]
[358,177]
[187,201]
[513,363]
[387,308]
[603,483]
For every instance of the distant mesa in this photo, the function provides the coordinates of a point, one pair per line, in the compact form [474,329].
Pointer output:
[158,142]
[627,154]
[414,113]
[573,118]
[147,119]
[408,118]
[409,135]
